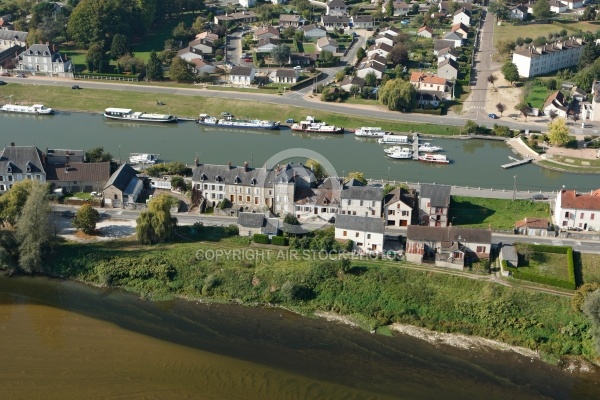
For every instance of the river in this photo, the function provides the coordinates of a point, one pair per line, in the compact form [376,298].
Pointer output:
[475,163]
[64,340]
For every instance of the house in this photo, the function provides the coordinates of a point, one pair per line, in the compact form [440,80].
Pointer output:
[328,44]
[303,59]
[381,49]
[368,65]
[431,85]
[286,20]
[332,22]
[577,210]
[362,200]
[122,187]
[461,29]
[592,110]
[242,75]
[42,58]
[509,254]
[266,32]
[208,38]
[362,22]
[78,176]
[367,234]
[440,45]
[196,49]
[247,3]
[204,67]
[385,38]
[61,156]
[322,202]
[336,7]
[287,183]
[539,60]
[454,37]
[578,93]
[399,207]
[519,12]
[286,76]
[242,17]
[433,99]
[558,103]
[18,163]
[350,81]
[250,224]
[313,31]
[392,31]
[400,8]
[557,6]
[462,15]
[434,204]
[448,247]
[532,227]
[573,4]
[267,45]
[10,39]
[448,69]
[425,32]
[447,53]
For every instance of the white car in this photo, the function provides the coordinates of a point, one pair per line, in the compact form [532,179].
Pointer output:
[297,68]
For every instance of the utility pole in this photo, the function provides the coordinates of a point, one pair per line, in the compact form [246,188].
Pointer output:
[388,176]
[514,187]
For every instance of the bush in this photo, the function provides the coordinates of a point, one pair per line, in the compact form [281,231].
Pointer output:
[545,280]
[279,240]
[260,238]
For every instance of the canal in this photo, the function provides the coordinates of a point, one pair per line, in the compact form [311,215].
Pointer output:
[474,163]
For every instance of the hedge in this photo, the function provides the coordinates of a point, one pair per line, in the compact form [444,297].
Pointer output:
[545,248]
[545,280]
[566,26]
[279,240]
[260,238]
[425,111]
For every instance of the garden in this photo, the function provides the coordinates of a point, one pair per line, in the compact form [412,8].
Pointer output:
[549,265]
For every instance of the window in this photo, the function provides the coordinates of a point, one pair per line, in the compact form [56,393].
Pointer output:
[481,249]
[356,234]
[239,198]
[10,178]
[581,215]
[345,233]
[360,203]
[372,212]
[212,187]
[248,191]
[257,191]
[205,186]
[564,223]
[580,224]
[368,236]
[353,212]
[404,213]
[567,214]
[29,177]
[1,178]
[592,216]
[2,188]
[391,212]
[428,204]
[220,196]
[256,200]
[221,187]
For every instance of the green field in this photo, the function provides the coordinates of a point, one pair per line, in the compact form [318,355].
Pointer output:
[548,264]
[510,32]
[479,212]
[536,96]
[590,267]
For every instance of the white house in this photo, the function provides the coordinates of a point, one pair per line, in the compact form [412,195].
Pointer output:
[362,21]
[392,31]
[461,29]
[518,12]
[539,60]
[242,75]
[454,37]
[434,204]
[336,7]
[532,227]
[286,76]
[362,200]
[577,210]
[328,44]
[448,69]
[313,31]
[18,163]
[267,45]
[428,82]
[400,8]
[9,39]
[247,3]
[447,53]
[573,4]
[557,6]
[381,49]
[266,32]
[331,22]
[592,110]
[367,234]
[441,44]
[558,103]
[201,66]
[398,207]
[462,16]
[42,58]
[350,81]
[385,38]
[425,32]
[370,65]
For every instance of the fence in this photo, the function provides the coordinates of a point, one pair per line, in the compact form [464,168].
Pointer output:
[108,77]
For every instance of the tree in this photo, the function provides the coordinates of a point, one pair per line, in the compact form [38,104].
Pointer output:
[360,53]
[182,32]
[119,46]
[339,76]
[505,47]
[181,70]
[414,9]
[354,90]
[289,32]
[397,94]
[558,133]
[551,84]
[589,54]
[371,79]
[13,201]
[389,8]
[470,127]
[491,79]
[33,229]
[327,56]
[358,176]
[552,114]
[541,10]
[500,107]
[591,308]
[519,41]
[398,54]
[97,154]
[281,54]
[154,71]
[589,14]
[86,219]
[317,169]
[523,108]
[199,24]
[156,225]
[540,41]
[95,57]
[510,72]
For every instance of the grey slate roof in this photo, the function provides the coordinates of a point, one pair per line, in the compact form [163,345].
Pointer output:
[356,223]
[44,51]
[453,36]
[13,35]
[79,171]
[399,194]
[291,170]
[332,19]
[19,157]
[438,195]
[251,220]
[229,175]
[337,3]
[442,44]
[445,234]
[122,177]
[287,73]
[241,71]
[509,253]
[363,193]
[449,61]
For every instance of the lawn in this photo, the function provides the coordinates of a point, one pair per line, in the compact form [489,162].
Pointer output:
[511,33]
[585,26]
[155,39]
[590,267]
[548,264]
[479,212]
[536,96]
[308,47]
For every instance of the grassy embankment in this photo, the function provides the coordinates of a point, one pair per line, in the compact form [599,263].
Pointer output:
[536,96]
[96,100]
[372,294]
[572,164]
[480,212]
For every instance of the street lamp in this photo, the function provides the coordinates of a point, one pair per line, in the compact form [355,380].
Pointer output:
[119,154]
[514,187]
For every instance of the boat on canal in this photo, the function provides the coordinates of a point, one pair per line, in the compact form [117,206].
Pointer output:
[401,153]
[127,114]
[369,132]
[434,158]
[143,158]
[310,125]
[393,139]
[429,148]
[237,123]
[36,109]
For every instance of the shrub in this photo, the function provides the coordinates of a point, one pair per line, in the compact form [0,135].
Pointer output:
[260,238]
[279,240]
[232,230]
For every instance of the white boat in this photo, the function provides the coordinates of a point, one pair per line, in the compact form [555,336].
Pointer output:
[393,139]
[143,158]
[394,149]
[427,147]
[311,126]
[204,119]
[126,114]
[34,109]
[434,158]
[369,131]
[402,153]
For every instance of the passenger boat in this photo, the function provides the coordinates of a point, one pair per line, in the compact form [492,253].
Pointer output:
[126,114]
[393,139]
[427,147]
[311,126]
[401,153]
[369,131]
[393,149]
[143,158]
[238,123]
[38,109]
[434,158]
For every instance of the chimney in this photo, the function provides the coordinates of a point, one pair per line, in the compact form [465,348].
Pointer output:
[229,164]
[245,166]
[12,144]
[196,163]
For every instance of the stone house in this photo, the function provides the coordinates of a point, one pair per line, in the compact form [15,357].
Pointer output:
[250,224]
[336,7]
[242,75]
[532,227]
[19,163]
[44,58]
[367,234]
[434,204]
[399,207]
[290,180]
[328,44]
[76,177]
[361,200]
[122,187]
[575,210]
[322,202]
[11,39]
[448,69]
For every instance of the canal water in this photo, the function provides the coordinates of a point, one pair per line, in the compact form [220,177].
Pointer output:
[474,163]
[63,340]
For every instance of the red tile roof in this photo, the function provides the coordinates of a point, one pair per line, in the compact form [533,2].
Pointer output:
[417,76]
[535,223]
[572,199]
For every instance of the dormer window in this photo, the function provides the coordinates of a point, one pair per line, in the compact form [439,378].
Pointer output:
[253,182]
[237,180]
[37,53]
[28,167]
[203,177]
[217,178]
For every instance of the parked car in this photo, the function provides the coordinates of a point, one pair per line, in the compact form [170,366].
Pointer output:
[493,116]
[75,87]
[20,75]
[247,59]
[538,196]
[297,67]
[2,83]
[289,121]
[5,74]
[226,114]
